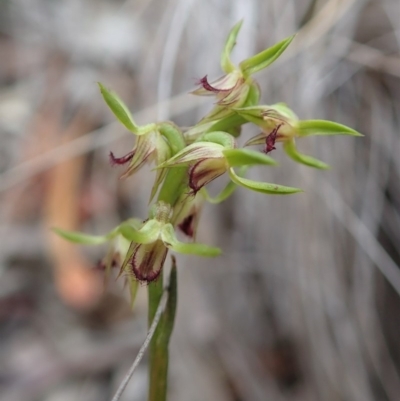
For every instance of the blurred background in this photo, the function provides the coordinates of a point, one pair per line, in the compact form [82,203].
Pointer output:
[304,303]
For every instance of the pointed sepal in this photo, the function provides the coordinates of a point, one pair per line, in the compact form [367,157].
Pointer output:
[169,238]
[147,234]
[119,109]
[263,187]
[290,148]
[226,63]
[265,58]
[223,195]
[324,127]
[195,152]
[247,157]
[85,239]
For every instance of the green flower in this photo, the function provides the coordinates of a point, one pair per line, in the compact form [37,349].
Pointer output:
[234,88]
[147,253]
[215,154]
[155,142]
[149,243]
[280,124]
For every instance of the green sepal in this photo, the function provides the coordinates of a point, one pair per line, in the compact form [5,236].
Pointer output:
[290,148]
[169,238]
[217,113]
[263,187]
[223,195]
[128,257]
[247,157]
[85,239]
[173,135]
[119,109]
[265,58]
[194,152]
[227,123]
[226,63]
[193,133]
[253,96]
[125,229]
[284,110]
[253,114]
[163,154]
[324,127]
[219,137]
[145,235]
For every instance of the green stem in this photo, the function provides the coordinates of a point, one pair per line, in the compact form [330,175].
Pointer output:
[159,354]
[173,185]
[158,361]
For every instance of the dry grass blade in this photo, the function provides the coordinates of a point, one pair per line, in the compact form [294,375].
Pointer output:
[154,324]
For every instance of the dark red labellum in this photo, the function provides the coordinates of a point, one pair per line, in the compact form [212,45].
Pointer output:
[271,139]
[206,85]
[187,225]
[115,161]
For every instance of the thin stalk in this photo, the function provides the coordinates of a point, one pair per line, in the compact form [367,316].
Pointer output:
[159,353]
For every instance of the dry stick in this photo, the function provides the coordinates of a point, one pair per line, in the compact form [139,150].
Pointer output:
[157,317]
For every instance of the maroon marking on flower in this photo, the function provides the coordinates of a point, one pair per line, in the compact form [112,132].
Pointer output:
[187,225]
[271,139]
[206,85]
[203,172]
[194,179]
[114,161]
[147,266]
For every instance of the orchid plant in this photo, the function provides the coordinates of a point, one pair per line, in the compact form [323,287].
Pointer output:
[185,161]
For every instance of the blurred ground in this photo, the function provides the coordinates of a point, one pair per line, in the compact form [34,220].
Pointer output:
[303,305]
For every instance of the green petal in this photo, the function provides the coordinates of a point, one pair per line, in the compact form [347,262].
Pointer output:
[253,96]
[291,150]
[85,239]
[284,110]
[146,235]
[253,114]
[128,258]
[144,150]
[246,157]
[324,127]
[226,63]
[194,152]
[223,195]
[263,187]
[217,113]
[220,137]
[173,135]
[169,238]
[119,109]
[226,123]
[197,130]
[265,58]
[163,154]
